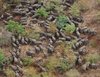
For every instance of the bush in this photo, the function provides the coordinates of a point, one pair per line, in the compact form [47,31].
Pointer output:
[15,27]
[54,62]
[54,5]
[69,28]
[42,12]
[64,23]
[61,21]
[64,65]
[75,10]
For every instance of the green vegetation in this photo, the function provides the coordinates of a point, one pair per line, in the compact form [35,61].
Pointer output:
[69,28]
[54,5]
[61,21]
[63,61]
[50,6]
[33,35]
[2,58]
[54,62]
[15,27]
[93,58]
[42,12]
[64,23]
[27,61]
[71,57]
[64,65]
[75,10]
[51,63]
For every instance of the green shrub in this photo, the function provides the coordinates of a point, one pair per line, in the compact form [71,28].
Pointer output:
[42,12]
[64,65]
[69,28]
[61,21]
[64,23]
[15,27]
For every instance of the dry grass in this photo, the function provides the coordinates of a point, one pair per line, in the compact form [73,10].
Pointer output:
[9,72]
[52,28]
[47,74]
[60,48]
[34,32]
[70,54]
[93,57]
[51,63]
[30,72]
[75,9]
[72,73]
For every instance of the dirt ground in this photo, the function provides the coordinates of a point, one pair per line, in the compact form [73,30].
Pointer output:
[88,21]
